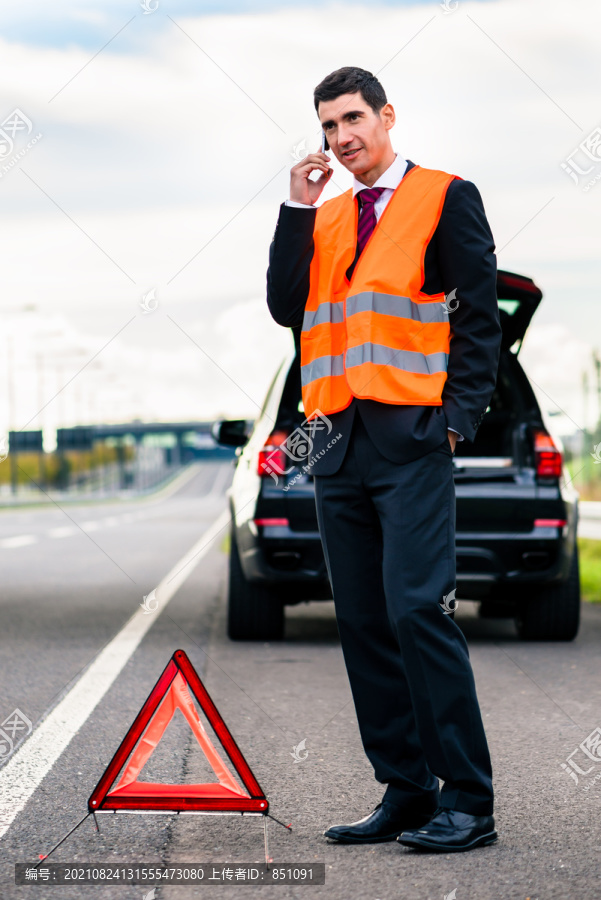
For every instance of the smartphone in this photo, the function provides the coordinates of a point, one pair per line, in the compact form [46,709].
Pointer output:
[324,142]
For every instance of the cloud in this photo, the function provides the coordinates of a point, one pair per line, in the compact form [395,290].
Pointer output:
[170,153]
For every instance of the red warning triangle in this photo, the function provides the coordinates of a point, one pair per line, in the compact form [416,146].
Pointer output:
[171,692]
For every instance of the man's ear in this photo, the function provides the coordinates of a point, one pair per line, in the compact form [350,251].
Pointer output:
[389,116]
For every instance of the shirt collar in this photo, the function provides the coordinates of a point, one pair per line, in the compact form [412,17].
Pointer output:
[391,178]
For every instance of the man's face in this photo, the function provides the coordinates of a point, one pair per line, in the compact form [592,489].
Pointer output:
[351,124]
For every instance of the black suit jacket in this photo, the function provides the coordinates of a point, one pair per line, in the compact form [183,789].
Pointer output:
[459,255]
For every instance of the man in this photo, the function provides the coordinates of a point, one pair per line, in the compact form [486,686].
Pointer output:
[399,348]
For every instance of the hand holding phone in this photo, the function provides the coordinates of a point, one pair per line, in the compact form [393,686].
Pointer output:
[302,188]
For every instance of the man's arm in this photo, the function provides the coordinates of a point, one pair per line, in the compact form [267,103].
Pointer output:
[465,249]
[290,256]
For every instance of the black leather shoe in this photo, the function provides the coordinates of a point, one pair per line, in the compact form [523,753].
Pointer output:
[383,824]
[449,830]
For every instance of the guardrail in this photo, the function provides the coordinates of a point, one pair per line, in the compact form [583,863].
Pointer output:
[589,525]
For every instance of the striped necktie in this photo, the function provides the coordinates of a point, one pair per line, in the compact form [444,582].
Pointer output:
[367,222]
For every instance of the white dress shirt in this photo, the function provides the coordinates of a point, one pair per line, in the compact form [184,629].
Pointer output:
[389,180]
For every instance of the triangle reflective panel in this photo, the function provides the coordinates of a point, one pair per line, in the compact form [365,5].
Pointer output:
[170,693]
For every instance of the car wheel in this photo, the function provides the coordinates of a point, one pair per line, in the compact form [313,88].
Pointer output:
[254,613]
[553,613]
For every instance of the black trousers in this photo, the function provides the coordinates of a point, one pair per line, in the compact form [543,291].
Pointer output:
[388,535]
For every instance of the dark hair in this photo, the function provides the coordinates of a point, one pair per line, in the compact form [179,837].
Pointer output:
[349,80]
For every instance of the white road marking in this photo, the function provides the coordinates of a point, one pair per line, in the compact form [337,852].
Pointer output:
[21,540]
[29,765]
[91,525]
[64,531]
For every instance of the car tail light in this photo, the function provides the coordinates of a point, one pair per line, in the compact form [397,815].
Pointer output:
[547,457]
[550,523]
[273,521]
[271,458]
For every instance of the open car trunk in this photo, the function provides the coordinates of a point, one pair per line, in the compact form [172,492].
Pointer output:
[494,475]
[502,451]
[500,440]
[495,482]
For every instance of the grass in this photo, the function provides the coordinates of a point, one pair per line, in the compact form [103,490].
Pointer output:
[586,476]
[590,569]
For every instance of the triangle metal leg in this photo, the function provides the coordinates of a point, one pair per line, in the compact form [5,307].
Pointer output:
[268,858]
[62,841]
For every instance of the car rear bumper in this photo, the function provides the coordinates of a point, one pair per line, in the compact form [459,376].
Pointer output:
[487,561]
[280,556]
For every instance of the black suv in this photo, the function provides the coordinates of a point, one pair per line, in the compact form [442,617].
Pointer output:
[516,512]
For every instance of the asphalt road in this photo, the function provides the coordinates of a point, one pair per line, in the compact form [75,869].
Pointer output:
[73,578]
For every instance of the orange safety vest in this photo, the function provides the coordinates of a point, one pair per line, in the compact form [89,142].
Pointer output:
[377,336]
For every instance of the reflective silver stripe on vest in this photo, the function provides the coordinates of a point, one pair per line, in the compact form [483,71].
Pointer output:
[386,304]
[407,360]
[325,312]
[392,305]
[321,367]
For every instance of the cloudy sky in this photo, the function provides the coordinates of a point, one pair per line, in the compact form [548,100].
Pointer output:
[151,149]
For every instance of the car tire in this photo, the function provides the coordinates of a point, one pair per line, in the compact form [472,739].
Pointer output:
[254,612]
[553,613]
